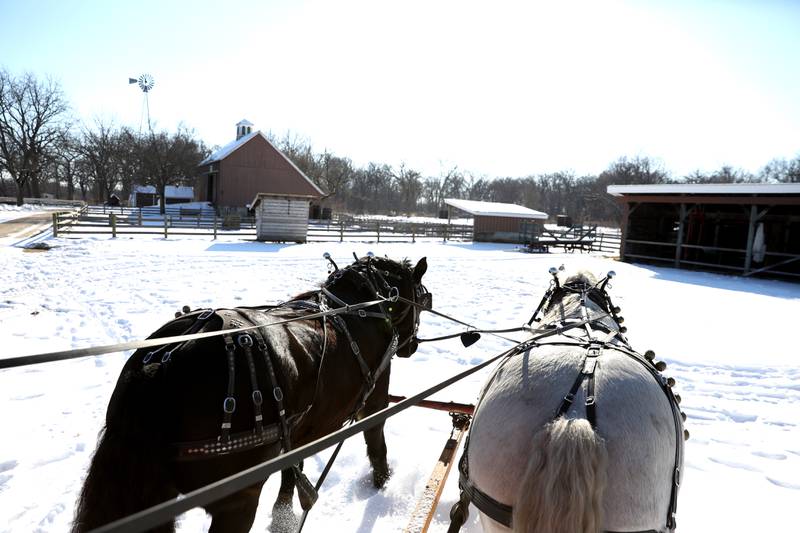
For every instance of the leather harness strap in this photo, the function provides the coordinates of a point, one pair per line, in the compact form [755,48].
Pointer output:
[280,432]
[503,513]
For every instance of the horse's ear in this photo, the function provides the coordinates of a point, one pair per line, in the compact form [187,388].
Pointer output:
[420,269]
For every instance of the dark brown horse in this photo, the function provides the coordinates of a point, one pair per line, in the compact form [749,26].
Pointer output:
[188,414]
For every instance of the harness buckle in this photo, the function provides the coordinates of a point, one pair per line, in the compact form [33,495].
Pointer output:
[677,477]
[394,294]
[277,393]
[355,348]
[590,400]
[166,357]
[569,398]
[258,399]
[230,347]
[362,313]
[205,315]
[229,405]
[244,340]
[148,357]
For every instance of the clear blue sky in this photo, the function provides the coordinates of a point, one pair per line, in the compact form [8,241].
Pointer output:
[497,88]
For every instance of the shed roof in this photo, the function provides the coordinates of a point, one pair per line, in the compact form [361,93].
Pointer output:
[495,209]
[261,195]
[705,188]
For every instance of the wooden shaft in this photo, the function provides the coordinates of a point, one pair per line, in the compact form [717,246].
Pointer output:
[429,499]
[450,407]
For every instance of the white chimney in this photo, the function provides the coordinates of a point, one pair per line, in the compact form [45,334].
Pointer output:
[244,127]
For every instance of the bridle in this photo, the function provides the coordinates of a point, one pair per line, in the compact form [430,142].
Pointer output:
[368,274]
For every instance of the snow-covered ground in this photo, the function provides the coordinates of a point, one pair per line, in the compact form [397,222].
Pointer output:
[12,212]
[729,343]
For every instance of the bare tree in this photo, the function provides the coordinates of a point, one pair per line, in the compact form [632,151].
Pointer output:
[66,155]
[33,115]
[782,171]
[170,159]
[335,174]
[99,148]
[409,187]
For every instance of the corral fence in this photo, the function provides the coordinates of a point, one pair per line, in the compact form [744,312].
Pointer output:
[589,238]
[115,221]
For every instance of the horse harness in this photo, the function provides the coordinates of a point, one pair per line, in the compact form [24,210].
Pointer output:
[502,513]
[256,341]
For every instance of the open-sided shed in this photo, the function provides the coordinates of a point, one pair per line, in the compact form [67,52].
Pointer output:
[748,228]
[281,217]
[496,221]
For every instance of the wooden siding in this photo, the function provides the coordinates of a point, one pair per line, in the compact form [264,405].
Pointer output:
[258,167]
[254,167]
[282,219]
[493,224]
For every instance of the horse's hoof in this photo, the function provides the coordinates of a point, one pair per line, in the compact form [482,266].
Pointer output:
[379,479]
[283,518]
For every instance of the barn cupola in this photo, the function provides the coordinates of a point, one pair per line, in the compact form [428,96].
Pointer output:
[244,127]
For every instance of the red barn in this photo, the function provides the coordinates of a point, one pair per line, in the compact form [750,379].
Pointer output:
[233,175]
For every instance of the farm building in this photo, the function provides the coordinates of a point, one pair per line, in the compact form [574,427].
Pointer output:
[145,195]
[497,222]
[237,172]
[747,228]
[281,217]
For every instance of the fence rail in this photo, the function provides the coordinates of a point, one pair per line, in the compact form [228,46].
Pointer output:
[99,220]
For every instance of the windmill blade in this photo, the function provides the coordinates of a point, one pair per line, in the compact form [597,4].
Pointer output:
[132,81]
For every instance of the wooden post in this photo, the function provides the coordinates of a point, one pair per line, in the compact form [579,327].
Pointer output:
[140,216]
[55,224]
[215,226]
[413,233]
[445,232]
[341,231]
[113,219]
[679,242]
[751,229]
[166,224]
[378,230]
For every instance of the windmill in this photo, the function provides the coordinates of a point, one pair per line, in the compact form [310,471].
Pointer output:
[146,83]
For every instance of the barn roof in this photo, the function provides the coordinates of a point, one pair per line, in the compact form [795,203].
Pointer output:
[495,209]
[706,188]
[229,148]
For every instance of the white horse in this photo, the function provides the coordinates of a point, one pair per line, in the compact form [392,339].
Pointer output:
[538,462]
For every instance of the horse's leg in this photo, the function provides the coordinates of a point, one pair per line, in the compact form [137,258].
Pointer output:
[235,513]
[376,443]
[283,517]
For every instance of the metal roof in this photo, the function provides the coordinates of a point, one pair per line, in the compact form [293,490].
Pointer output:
[495,209]
[705,188]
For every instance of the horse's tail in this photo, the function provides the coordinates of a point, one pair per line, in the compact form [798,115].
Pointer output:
[129,470]
[562,491]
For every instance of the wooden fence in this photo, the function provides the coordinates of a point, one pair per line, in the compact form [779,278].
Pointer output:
[99,220]
[584,238]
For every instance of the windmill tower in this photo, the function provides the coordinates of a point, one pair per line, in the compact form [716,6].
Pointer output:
[146,83]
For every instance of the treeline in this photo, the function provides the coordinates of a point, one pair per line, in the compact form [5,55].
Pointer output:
[44,150]
[383,189]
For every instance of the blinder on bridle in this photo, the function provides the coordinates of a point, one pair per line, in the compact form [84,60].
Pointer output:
[424,297]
